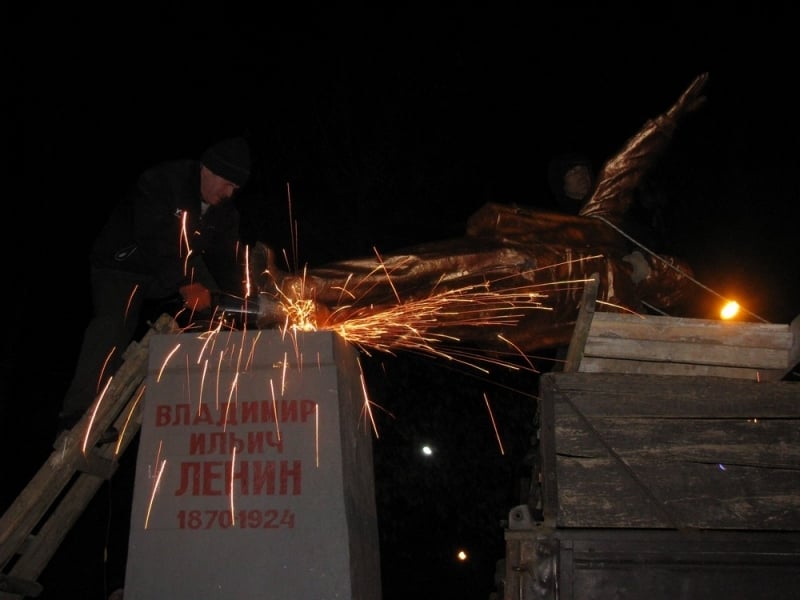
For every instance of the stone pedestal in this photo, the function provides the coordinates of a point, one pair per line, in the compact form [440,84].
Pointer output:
[254,477]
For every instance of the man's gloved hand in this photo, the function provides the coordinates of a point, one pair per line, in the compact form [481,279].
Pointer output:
[196,296]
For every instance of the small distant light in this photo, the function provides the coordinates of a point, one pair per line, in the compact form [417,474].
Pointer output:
[462,555]
[721,467]
[427,450]
[730,310]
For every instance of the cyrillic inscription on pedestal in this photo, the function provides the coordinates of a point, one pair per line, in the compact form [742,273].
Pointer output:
[254,475]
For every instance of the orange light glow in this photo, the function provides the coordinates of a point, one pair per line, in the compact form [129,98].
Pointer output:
[729,311]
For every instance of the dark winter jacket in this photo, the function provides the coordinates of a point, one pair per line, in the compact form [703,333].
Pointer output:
[144,233]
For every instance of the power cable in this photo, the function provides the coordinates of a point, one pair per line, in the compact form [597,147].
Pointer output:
[673,267]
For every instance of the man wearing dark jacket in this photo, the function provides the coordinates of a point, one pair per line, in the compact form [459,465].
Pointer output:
[176,231]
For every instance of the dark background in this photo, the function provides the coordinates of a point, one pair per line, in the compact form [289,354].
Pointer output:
[384,129]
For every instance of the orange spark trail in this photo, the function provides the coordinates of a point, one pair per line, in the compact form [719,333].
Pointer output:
[423,325]
[105,366]
[367,408]
[183,240]
[284,368]
[166,360]
[233,473]
[383,265]
[134,404]
[275,410]
[130,299]
[202,385]
[218,379]
[94,414]
[521,353]
[494,425]
[252,355]
[156,485]
[189,382]
[234,384]
[210,338]
[414,325]
[247,288]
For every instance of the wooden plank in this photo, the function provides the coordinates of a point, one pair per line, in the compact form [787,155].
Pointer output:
[773,444]
[604,394]
[573,564]
[595,493]
[697,331]
[547,478]
[591,364]
[583,324]
[647,344]
[705,452]
[687,352]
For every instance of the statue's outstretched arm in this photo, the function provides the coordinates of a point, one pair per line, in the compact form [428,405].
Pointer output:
[621,175]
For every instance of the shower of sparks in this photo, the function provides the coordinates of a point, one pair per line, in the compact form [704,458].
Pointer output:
[494,424]
[301,312]
[421,325]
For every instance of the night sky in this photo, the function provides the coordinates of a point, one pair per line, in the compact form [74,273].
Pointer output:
[384,130]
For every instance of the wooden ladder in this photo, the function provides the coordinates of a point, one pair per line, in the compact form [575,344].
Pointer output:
[33,527]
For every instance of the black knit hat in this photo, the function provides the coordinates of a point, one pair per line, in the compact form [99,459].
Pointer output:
[230,159]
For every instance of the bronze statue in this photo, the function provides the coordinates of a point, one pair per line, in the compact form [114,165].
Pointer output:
[514,280]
